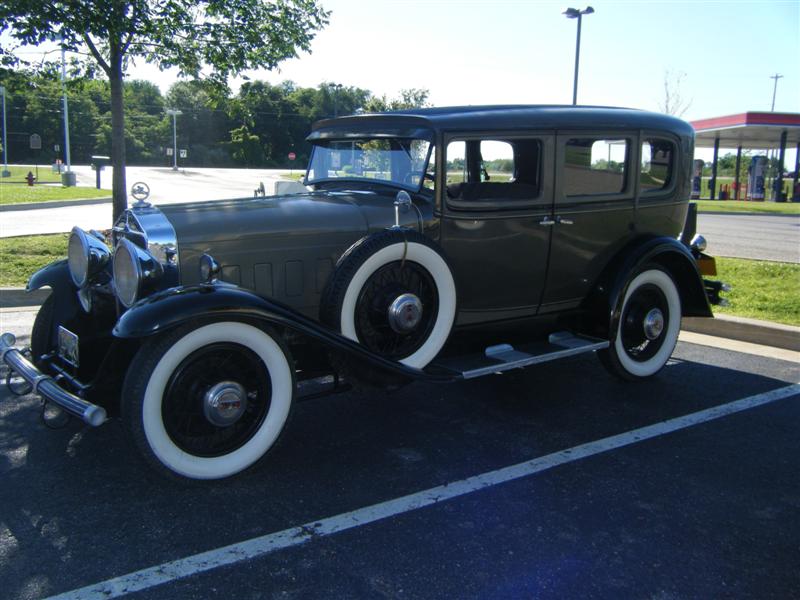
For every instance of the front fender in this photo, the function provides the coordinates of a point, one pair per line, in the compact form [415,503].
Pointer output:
[175,306]
[55,275]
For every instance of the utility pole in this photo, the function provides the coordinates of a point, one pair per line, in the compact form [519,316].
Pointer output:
[775,88]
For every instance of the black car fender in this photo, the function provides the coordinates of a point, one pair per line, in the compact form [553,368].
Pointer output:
[176,306]
[668,253]
[56,276]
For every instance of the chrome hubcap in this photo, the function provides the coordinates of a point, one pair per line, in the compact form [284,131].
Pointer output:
[405,313]
[224,403]
[653,324]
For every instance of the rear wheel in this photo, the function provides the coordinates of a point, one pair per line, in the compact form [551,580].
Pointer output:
[208,402]
[648,326]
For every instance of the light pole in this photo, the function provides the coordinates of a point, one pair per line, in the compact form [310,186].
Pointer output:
[6,172]
[174,113]
[574,13]
[336,88]
[67,179]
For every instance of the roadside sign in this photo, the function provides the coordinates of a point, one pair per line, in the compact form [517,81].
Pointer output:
[169,151]
[56,148]
[183,152]
[292,155]
[36,142]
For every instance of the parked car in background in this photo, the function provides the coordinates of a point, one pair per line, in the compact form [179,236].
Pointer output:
[432,244]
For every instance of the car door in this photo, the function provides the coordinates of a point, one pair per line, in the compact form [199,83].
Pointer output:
[593,211]
[496,209]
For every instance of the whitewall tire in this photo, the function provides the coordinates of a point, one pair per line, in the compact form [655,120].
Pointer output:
[395,294]
[647,330]
[209,402]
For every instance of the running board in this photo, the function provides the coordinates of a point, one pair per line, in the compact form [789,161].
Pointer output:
[503,357]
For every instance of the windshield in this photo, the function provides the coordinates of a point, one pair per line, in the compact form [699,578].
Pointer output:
[396,161]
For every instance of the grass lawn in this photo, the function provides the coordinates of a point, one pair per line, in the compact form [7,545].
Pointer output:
[761,290]
[18,173]
[741,206]
[18,194]
[20,257]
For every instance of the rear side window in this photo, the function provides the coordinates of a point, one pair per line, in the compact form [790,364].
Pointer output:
[658,159]
[595,166]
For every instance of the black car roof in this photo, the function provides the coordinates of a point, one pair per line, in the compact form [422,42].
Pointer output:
[502,117]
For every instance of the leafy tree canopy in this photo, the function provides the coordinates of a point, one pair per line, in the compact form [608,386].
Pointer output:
[213,39]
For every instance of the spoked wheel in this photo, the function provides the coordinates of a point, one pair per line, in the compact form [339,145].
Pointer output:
[396,309]
[209,402]
[394,293]
[648,327]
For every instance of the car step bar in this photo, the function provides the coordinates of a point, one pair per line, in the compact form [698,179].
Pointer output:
[504,357]
[46,386]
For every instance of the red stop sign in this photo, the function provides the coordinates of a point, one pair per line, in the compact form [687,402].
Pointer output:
[292,155]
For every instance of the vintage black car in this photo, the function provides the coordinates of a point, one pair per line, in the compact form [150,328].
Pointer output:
[433,244]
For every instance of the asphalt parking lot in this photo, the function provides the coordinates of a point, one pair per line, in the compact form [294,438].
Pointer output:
[700,507]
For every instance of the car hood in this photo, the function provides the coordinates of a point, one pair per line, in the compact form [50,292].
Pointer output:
[310,228]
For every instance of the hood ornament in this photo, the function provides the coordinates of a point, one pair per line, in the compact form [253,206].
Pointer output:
[141,191]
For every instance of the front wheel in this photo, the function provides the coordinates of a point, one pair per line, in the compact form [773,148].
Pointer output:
[648,326]
[208,402]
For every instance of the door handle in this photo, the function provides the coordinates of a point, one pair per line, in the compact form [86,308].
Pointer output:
[563,221]
[547,222]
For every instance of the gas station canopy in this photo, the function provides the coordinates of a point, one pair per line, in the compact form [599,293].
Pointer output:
[752,130]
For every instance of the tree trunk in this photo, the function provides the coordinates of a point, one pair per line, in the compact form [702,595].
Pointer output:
[120,193]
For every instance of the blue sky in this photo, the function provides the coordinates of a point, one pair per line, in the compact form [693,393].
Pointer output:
[476,52]
[501,51]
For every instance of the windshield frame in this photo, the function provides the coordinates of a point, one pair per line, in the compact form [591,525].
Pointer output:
[366,136]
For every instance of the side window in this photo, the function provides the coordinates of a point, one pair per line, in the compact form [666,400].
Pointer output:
[456,162]
[485,174]
[595,166]
[657,164]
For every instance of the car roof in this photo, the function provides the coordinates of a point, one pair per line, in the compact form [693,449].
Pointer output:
[503,117]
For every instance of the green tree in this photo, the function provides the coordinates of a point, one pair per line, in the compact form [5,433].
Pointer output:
[411,98]
[218,38]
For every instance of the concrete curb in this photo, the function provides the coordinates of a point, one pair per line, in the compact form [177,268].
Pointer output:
[15,297]
[753,331]
[54,204]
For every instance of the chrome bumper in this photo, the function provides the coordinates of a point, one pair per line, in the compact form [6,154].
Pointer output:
[46,386]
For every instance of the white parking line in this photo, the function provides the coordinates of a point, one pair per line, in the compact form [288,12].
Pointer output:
[295,536]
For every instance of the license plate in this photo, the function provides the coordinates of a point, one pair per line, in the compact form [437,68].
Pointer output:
[68,346]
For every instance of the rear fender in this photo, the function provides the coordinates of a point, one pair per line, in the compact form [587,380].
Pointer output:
[176,306]
[670,254]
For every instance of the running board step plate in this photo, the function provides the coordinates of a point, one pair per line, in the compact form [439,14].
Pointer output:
[496,359]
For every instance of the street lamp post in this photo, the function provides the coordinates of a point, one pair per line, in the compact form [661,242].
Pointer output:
[6,172]
[174,113]
[775,88]
[574,13]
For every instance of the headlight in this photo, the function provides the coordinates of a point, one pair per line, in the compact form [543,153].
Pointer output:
[133,269]
[86,256]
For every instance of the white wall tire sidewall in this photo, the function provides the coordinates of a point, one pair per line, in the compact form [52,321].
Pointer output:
[649,367]
[185,464]
[431,261]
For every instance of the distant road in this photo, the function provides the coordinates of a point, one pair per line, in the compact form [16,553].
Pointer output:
[763,237]
[166,187]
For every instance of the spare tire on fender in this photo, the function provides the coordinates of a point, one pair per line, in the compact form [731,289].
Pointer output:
[394,293]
